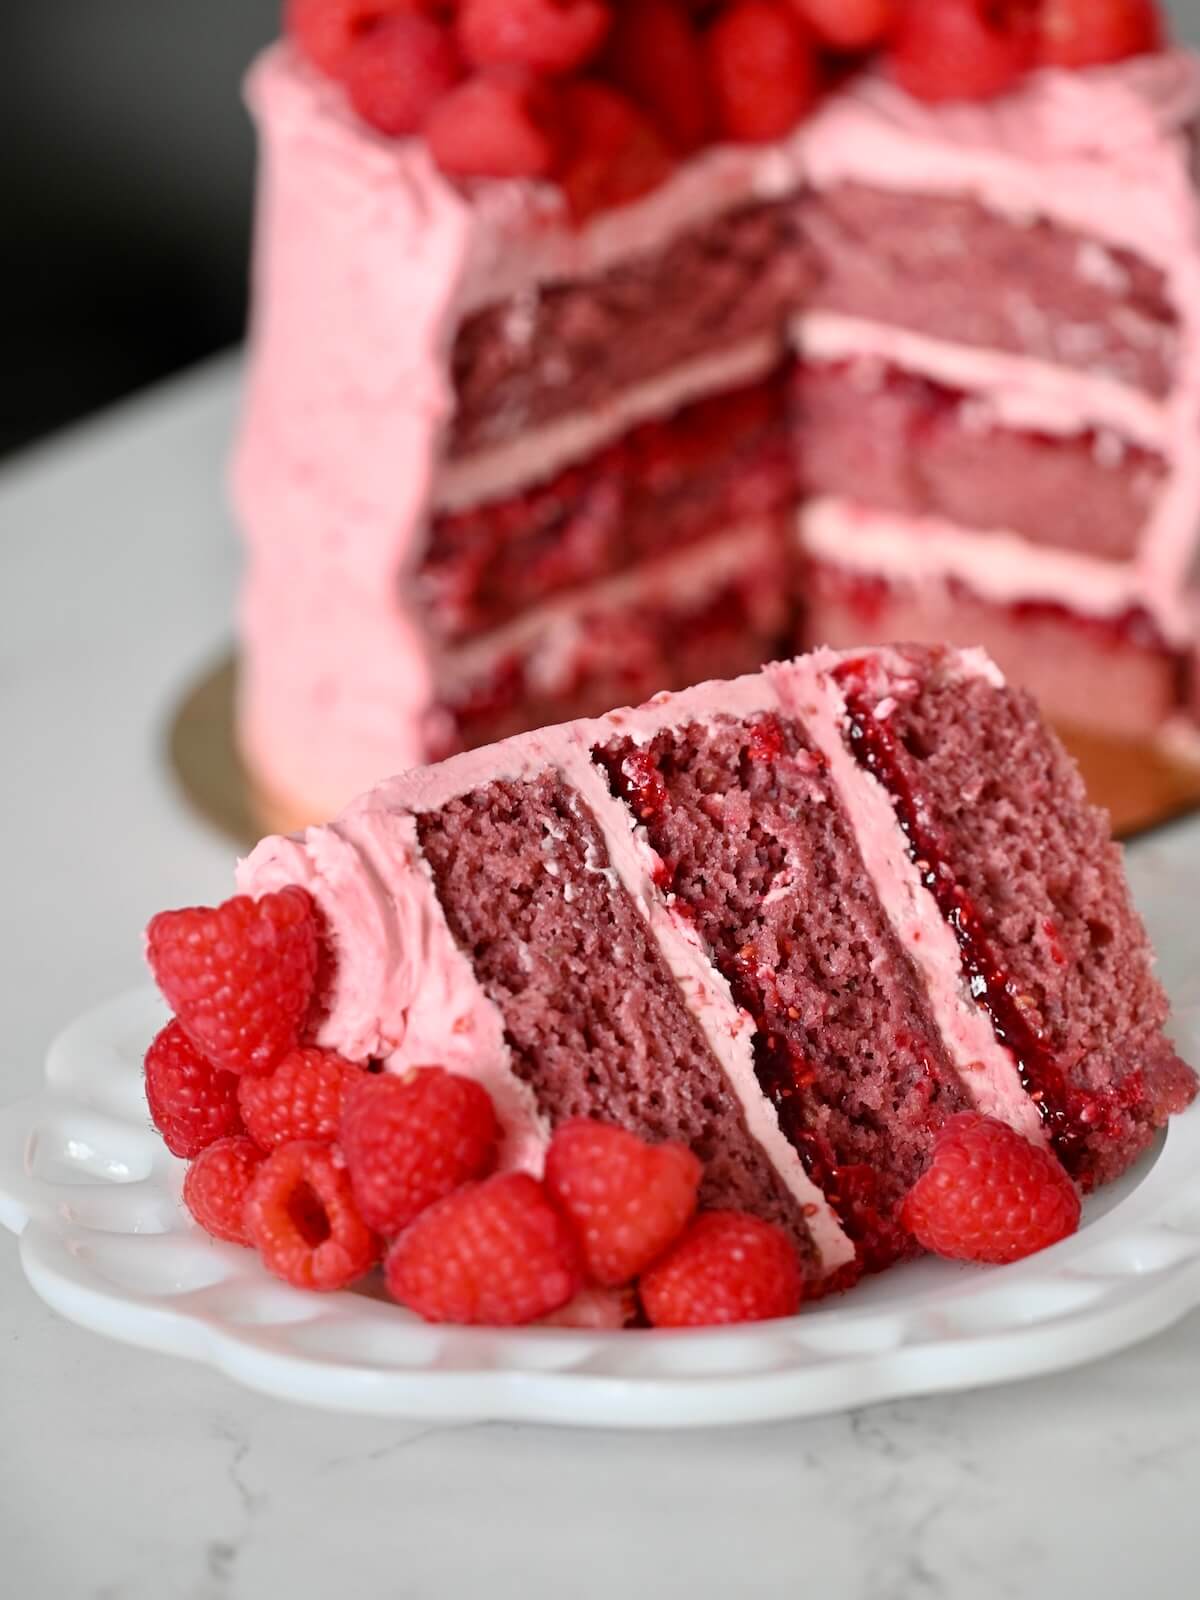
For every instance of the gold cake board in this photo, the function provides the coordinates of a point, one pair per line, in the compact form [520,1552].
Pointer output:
[1142,785]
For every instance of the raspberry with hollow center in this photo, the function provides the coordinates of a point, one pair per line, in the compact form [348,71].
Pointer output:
[626,1200]
[303,1098]
[762,70]
[1088,33]
[617,154]
[654,54]
[217,1184]
[728,1267]
[550,36]
[495,1253]
[410,1141]
[239,976]
[849,25]
[962,49]
[988,1195]
[505,123]
[398,72]
[192,1103]
[301,1218]
[326,31]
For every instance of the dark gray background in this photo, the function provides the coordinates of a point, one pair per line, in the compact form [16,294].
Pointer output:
[126,165]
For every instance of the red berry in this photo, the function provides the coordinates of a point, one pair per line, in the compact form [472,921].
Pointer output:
[627,1200]
[764,740]
[302,1099]
[762,70]
[502,124]
[989,1195]
[1087,33]
[302,1219]
[239,977]
[399,71]
[551,36]
[728,1267]
[849,24]
[654,54]
[192,1103]
[495,1253]
[962,49]
[617,154]
[410,1141]
[642,786]
[326,31]
[217,1184]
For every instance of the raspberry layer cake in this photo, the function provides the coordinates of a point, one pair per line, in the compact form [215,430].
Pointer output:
[604,349]
[801,924]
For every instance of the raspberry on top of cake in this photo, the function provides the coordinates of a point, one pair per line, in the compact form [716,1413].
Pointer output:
[603,97]
[687,1013]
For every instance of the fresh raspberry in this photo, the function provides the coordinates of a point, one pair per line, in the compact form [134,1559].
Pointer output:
[550,36]
[642,786]
[495,1253]
[217,1184]
[1087,33]
[989,1195]
[506,123]
[192,1103]
[409,1141]
[302,1219]
[302,1099]
[764,740]
[399,71]
[849,24]
[762,70]
[962,49]
[728,1267]
[239,977]
[627,1200]
[654,54]
[325,31]
[617,154]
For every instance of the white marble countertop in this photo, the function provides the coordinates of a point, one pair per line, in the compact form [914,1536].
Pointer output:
[127,1476]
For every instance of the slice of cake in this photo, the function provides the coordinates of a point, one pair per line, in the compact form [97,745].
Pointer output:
[684,350]
[797,923]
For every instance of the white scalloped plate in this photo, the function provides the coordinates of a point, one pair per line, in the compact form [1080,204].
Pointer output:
[94,1196]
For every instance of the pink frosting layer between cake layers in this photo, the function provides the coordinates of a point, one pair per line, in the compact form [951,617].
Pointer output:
[999,566]
[403,991]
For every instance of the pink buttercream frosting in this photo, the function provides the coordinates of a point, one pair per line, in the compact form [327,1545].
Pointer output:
[367,260]
[997,565]
[402,991]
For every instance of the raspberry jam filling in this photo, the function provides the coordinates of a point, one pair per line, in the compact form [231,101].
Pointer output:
[665,485]
[1065,1112]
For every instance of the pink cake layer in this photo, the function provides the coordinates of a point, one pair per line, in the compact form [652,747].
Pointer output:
[904,443]
[405,991]
[350,395]
[1069,662]
[1036,290]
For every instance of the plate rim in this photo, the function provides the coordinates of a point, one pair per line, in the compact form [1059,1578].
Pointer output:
[966,1328]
